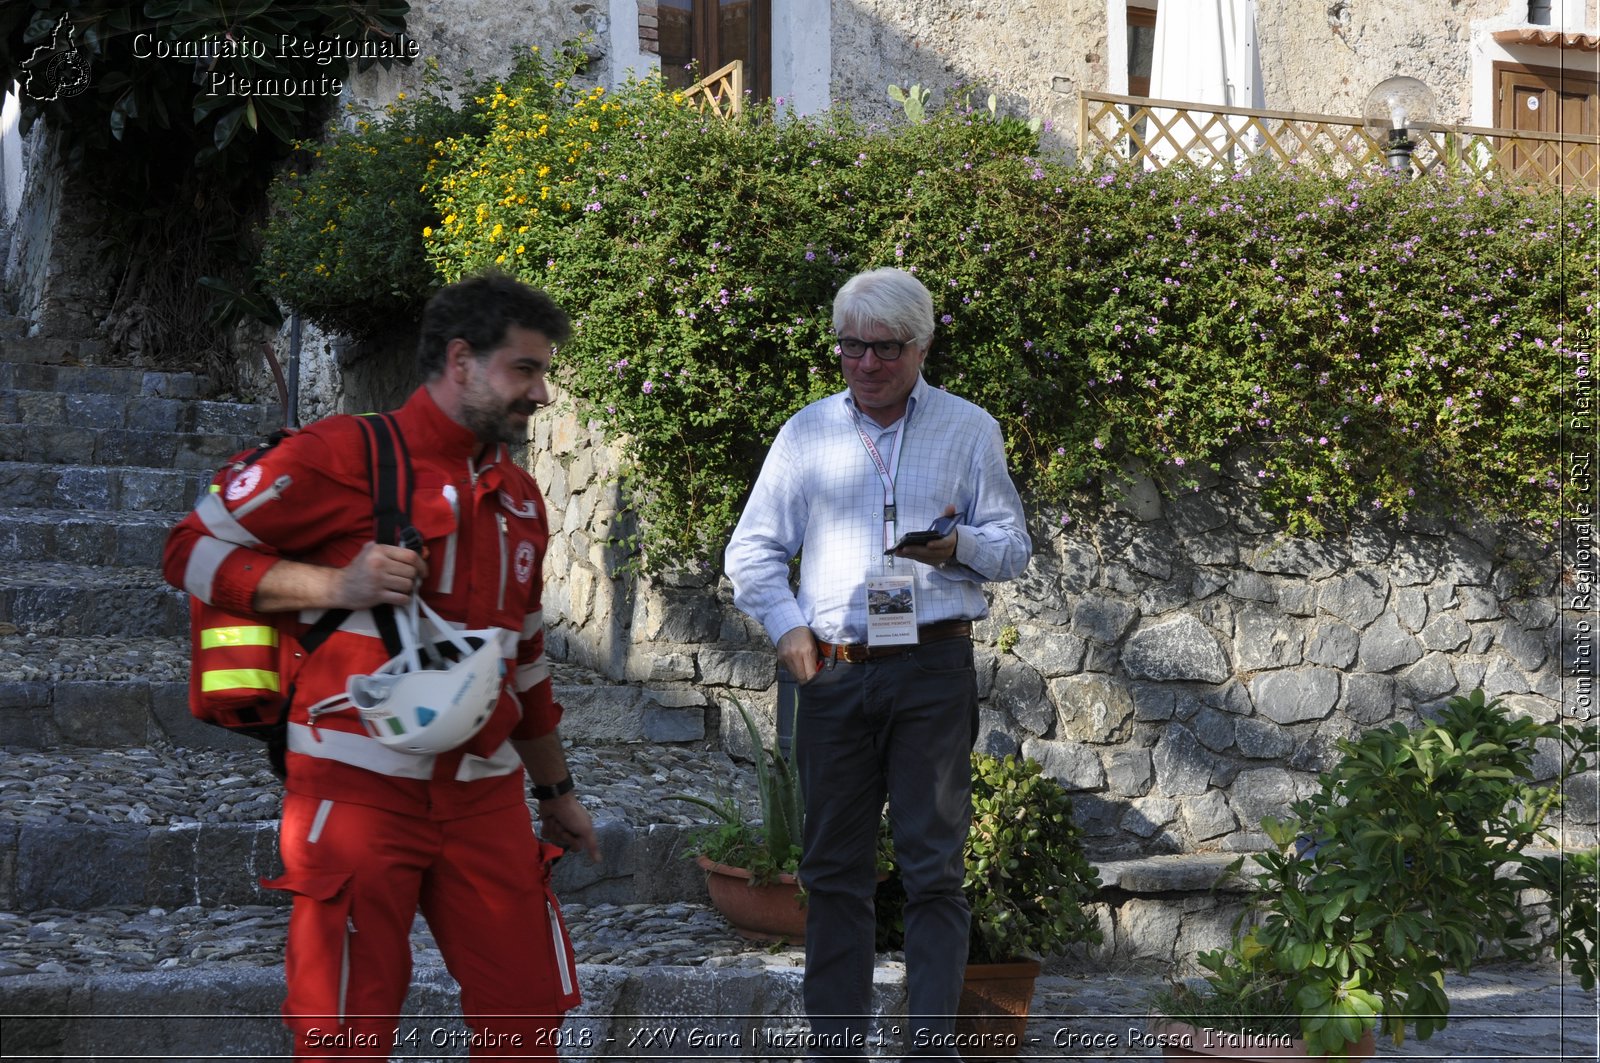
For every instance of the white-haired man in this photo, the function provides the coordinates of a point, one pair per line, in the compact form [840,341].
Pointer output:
[879,638]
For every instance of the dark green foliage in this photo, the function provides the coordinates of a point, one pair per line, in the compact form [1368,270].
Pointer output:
[1409,861]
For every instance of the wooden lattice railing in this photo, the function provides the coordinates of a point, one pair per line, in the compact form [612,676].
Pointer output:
[1158,133]
[722,90]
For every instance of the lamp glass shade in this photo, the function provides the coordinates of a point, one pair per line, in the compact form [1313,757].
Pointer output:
[1398,104]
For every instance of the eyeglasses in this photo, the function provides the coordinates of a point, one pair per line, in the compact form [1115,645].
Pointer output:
[887,350]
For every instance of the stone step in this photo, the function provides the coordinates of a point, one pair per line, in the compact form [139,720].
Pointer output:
[74,379]
[149,413]
[73,444]
[16,346]
[78,537]
[168,826]
[36,485]
[229,1008]
[50,598]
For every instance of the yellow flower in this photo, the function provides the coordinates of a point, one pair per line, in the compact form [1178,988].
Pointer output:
[427,230]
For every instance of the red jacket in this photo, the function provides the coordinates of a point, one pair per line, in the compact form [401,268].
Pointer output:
[485,532]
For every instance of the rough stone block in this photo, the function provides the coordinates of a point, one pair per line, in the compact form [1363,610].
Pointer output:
[1309,558]
[1208,816]
[1214,729]
[1296,694]
[52,861]
[1428,679]
[1333,644]
[1262,739]
[1356,598]
[1103,620]
[1128,771]
[1251,586]
[1477,604]
[1385,646]
[1091,708]
[1147,816]
[1075,766]
[1527,648]
[1445,633]
[1415,561]
[746,669]
[1179,648]
[1410,606]
[1182,765]
[1147,929]
[1153,701]
[1261,792]
[1265,639]
[1020,693]
[101,713]
[1369,699]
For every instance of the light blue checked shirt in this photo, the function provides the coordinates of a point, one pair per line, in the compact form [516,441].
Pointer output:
[820,495]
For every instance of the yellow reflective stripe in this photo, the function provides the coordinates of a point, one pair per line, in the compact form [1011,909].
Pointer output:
[253,635]
[238,679]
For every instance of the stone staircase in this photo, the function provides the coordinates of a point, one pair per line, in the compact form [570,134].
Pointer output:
[129,832]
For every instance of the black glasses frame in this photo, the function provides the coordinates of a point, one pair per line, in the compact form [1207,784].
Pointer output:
[886,350]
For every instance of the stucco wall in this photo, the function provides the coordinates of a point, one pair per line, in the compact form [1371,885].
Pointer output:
[1034,55]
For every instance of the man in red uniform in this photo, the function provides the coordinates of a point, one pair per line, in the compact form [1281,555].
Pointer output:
[372,833]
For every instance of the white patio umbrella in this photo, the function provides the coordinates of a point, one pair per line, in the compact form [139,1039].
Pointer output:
[1205,53]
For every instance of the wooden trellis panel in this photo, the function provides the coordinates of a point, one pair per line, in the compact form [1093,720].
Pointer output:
[722,90]
[1154,134]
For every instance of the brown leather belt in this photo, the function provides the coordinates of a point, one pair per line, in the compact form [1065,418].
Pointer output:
[858,652]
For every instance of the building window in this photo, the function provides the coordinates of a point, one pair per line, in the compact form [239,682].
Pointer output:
[709,34]
[1141,48]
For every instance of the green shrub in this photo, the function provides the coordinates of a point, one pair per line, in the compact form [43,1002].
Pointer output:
[343,243]
[1363,345]
[1410,860]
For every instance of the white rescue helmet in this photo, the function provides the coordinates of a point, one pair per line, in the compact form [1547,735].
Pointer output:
[438,691]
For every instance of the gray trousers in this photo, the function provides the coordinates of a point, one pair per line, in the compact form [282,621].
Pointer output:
[901,727]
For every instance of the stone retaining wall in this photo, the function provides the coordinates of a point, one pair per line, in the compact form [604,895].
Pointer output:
[1181,665]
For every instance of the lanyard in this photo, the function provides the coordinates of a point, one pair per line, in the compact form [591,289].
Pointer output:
[886,473]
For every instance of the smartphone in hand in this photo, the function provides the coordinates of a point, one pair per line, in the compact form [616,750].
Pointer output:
[937,530]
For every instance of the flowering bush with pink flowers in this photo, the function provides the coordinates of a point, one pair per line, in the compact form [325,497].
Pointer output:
[1365,344]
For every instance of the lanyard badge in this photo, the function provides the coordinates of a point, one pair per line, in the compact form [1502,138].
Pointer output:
[891,599]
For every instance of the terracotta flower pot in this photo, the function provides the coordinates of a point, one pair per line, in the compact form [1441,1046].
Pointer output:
[992,1019]
[770,912]
[1180,1041]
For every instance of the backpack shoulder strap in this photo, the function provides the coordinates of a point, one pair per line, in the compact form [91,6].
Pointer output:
[389,462]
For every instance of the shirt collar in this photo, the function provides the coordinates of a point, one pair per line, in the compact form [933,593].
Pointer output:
[429,430]
[919,390]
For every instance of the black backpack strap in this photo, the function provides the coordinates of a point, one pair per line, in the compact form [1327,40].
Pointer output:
[389,462]
[391,522]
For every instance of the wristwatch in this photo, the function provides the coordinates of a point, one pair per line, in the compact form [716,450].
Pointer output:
[554,790]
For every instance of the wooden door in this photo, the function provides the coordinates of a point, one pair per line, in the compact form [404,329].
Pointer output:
[1538,100]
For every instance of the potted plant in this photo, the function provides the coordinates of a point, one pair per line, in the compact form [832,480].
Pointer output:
[1027,884]
[1410,860]
[750,863]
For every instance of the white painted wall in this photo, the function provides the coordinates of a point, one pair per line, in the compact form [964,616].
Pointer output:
[627,58]
[802,54]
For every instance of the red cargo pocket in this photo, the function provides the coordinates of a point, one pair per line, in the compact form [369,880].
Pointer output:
[566,962]
[323,887]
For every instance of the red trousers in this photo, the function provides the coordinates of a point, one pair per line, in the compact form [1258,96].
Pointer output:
[359,875]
